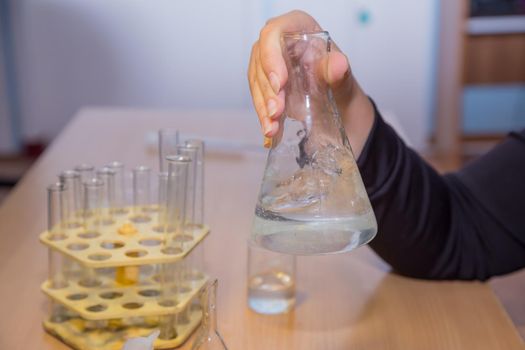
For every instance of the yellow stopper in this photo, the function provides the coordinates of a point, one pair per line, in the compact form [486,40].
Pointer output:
[127,230]
[127,275]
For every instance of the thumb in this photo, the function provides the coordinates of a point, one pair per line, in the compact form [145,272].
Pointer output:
[339,77]
[338,74]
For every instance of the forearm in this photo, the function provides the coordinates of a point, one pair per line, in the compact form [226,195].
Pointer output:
[411,202]
[444,227]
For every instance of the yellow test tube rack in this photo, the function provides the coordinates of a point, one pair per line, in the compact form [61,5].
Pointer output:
[123,296]
[118,271]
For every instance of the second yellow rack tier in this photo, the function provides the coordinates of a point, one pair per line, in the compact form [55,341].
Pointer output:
[111,300]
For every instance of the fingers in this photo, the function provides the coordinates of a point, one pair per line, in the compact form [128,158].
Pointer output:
[257,97]
[271,58]
[274,103]
[258,101]
[267,72]
[268,92]
[260,108]
[265,101]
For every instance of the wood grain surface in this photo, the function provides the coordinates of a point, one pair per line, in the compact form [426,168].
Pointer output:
[494,59]
[348,301]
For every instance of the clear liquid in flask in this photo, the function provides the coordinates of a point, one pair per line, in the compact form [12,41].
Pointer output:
[312,199]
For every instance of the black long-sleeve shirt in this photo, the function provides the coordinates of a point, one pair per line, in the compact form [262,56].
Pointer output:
[465,225]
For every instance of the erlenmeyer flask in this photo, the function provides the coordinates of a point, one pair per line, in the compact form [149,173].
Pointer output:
[312,198]
[208,336]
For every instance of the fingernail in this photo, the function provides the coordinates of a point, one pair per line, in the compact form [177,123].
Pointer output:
[271,128]
[271,106]
[267,142]
[274,82]
[267,128]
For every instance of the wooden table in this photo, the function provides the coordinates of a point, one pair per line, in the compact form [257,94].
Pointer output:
[346,301]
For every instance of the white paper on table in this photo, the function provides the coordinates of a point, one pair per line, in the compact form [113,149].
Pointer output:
[141,343]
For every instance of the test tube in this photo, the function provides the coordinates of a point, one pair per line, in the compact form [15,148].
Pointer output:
[199,180]
[57,228]
[168,141]
[93,199]
[191,153]
[124,275]
[168,281]
[107,175]
[120,187]
[93,204]
[172,274]
[71,179]
[176,202]
[194,271]
[141,194]
[86,171]
[195,262]
[197,257]
[162,200]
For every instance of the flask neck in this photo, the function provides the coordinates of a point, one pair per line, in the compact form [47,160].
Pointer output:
[306,56]
[310,114]
[210,307]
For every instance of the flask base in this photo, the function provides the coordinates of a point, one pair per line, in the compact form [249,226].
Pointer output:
[312,237]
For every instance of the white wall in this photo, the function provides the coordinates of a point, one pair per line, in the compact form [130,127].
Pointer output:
[392,55]
[160,53]
[174,53]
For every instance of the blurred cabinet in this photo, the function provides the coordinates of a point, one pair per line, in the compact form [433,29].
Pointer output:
[493,83]
[481,81]
[495,59]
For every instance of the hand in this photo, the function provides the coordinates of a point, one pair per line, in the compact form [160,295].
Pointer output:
[267,76]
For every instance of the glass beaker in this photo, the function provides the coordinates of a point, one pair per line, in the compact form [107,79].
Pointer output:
[312,198]
[271,281]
